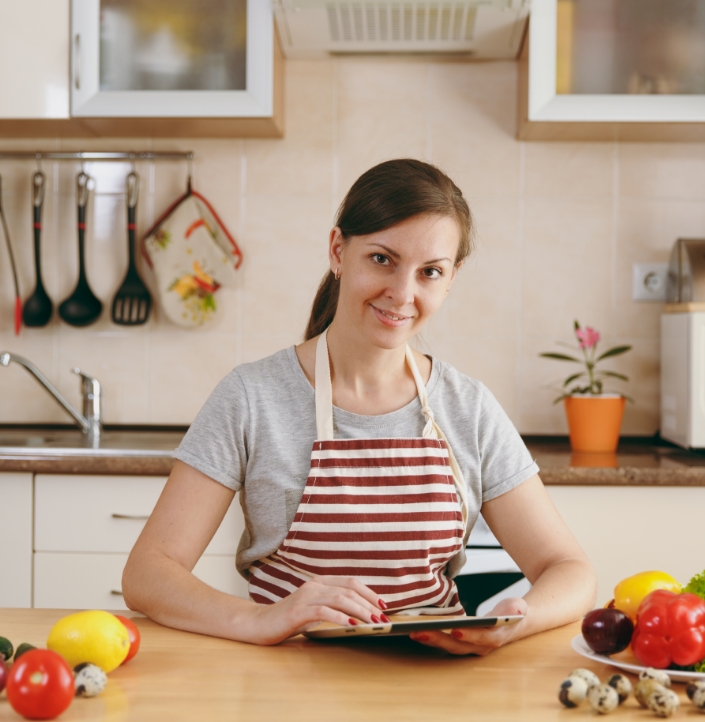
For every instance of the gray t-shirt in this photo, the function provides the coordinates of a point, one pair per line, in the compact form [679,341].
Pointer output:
[255,433]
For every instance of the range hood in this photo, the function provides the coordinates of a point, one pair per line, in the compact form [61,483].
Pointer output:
[483,29]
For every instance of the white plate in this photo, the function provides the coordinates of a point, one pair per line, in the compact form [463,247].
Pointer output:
[580,646]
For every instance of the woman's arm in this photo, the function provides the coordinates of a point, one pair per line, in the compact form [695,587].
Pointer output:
[158,582]
[528,526]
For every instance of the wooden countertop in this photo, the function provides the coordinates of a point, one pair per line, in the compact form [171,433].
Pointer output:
[182,676]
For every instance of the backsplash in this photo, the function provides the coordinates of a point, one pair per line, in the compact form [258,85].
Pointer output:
[558,228]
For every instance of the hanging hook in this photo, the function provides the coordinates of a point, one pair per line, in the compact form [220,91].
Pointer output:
[133,169]
[39,162]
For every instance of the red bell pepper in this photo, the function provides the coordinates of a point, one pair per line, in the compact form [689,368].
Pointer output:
[670,628]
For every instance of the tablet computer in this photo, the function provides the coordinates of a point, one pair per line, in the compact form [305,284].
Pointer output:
[402,625]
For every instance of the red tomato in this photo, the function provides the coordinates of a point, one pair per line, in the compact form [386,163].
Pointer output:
[40,684]
[134,637]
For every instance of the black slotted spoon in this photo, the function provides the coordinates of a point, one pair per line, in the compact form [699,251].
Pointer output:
[81,308]
[132,301]
[38,307]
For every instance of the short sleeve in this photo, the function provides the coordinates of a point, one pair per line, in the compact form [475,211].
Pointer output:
[505,462]
[216,443]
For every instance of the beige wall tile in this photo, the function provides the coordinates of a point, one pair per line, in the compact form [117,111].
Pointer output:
[183,373]
[646,232]
[302,161]
[642,366]
[382,113]
[662,170]
[569,170]
[566,266]
[472,117]
[257,346]
[287,243]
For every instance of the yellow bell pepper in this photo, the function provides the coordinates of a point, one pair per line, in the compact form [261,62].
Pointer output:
[629,593]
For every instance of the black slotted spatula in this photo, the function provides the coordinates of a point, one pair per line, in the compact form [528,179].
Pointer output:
[132,301]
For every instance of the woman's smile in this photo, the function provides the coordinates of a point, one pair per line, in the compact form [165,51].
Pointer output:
[388,318]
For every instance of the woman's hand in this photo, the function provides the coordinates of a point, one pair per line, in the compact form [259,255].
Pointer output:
[480,641]
[341,600]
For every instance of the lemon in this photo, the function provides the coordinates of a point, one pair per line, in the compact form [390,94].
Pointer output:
[95,636]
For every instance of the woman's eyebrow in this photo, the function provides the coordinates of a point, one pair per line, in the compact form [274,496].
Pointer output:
[394,254]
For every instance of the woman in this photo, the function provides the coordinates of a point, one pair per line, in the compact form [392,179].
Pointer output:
[406,452]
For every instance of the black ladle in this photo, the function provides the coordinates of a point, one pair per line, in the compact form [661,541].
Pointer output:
[38,307]
[81,308]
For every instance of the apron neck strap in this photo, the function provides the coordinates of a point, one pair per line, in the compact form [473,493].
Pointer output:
[324,393]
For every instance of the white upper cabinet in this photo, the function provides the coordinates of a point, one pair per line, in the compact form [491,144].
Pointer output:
[628,68]
[34,53]
[140,68]
[171,58]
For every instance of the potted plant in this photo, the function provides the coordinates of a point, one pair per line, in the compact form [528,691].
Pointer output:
[594,415]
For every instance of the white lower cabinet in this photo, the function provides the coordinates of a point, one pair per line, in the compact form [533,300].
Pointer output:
[85,527]
[92,581]
[630,529]
[15,539]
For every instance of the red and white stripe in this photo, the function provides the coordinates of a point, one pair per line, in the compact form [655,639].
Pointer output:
[385,511]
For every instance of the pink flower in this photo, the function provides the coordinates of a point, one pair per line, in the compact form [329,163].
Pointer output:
[588,337]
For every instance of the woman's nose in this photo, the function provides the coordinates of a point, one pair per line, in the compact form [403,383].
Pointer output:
[401,287]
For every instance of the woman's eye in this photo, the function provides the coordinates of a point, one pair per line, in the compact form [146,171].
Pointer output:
[380,258]
[432,272]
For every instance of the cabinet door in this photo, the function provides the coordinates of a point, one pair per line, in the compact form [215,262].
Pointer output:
[107,513]
[92,581]
[172,58]
[629,529]
[34,53]
[641,60]
[15,540]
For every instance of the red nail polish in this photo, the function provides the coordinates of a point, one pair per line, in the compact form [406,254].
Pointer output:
[382,604]
[385,618]
[352,621]
[374,618]
[422,637]
[456,633]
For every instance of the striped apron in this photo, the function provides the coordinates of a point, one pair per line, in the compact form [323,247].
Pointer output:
[390,512]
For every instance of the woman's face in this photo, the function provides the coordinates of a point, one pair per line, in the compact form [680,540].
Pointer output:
[393,281]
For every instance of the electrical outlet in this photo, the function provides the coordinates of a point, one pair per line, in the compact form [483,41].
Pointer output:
[649,281]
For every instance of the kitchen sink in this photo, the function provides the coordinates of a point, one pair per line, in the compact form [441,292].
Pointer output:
[122,442]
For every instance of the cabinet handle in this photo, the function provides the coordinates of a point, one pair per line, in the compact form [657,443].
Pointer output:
[116,592]
[135,517]
[77,62]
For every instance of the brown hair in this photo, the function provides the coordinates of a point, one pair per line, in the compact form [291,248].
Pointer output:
[385,195]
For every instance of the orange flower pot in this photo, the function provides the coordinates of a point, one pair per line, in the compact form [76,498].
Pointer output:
[594,421]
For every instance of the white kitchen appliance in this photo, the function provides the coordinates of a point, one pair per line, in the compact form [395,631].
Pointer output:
[683,347]
[481,28]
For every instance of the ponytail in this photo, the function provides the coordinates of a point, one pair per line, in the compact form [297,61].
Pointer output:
[324,306]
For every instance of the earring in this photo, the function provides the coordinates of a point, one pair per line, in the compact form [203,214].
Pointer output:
[337,274]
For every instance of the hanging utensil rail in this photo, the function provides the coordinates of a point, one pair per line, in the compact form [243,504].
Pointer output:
[96,156]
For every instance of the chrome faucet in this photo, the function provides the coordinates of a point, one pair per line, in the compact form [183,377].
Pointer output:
[91,420]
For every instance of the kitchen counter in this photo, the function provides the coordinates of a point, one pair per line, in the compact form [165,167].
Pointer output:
[639,461]
[182,676]
[145,451]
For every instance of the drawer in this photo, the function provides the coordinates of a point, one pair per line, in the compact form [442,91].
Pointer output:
[16,540]
[107,513]
[92,581]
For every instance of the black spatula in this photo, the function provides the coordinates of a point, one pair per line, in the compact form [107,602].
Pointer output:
[132,301]
[38,307]
[81,308]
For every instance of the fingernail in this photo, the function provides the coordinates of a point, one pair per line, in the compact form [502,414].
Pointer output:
[422,637]
[385,618]
[352,621]
[374,618]
[456,633]
[382,604]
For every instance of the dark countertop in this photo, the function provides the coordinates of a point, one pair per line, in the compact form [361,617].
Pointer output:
[649,461]
[147,451]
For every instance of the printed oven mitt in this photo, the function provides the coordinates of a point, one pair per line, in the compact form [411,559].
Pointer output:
[192,255]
